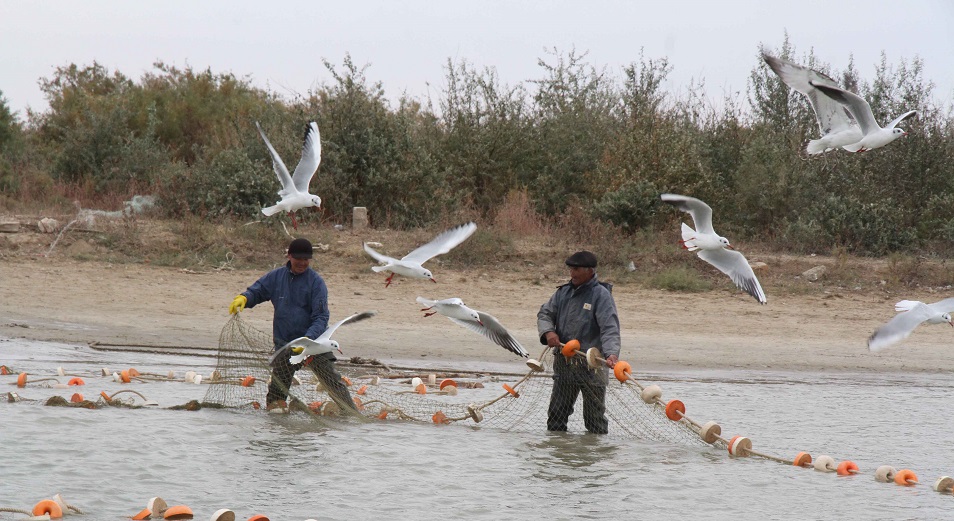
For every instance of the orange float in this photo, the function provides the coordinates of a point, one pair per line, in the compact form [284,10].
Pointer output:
[22,380]
[675,410]
[358,404]
[314,406]
[4,369]
[258,517]
[248,381]
[363,390]
[124,376]
[511,390]
[739,446]
[622,371]
[76,398]
[178,512]
[906,477]
[447,381]
[143,514]
[104,395]
[256,405]
[802,459]
[346,380]
[570,348]
[421,389]
[847,468]
[439,418]
[383,415]
[48,506]
[76,381]
[133,372]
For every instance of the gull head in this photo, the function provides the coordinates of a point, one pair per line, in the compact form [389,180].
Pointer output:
[947,318]
[334,344]
[725,243]
[425,273]
[473,314]
[898,132]
[315,201]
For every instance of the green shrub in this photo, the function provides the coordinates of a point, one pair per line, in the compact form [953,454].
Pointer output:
[680,278]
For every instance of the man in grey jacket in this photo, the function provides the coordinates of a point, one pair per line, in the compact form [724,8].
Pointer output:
[583,309]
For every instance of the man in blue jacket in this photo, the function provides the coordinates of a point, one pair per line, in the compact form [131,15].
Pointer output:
[300,298]
[582,309]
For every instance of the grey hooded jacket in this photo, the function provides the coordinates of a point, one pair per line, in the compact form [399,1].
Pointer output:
[586,313]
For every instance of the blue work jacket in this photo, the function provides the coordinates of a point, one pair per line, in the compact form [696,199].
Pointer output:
[300,301]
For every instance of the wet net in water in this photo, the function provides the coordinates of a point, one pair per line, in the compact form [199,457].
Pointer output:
[377,392]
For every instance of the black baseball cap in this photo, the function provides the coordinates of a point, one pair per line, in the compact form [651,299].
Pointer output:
[581,259]
[300,249]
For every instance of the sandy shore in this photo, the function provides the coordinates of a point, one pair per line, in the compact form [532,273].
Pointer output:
[81,302]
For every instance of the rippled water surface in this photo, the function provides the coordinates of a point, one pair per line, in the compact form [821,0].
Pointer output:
[110,461]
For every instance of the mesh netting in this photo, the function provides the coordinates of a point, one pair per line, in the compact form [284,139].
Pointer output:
[242,373]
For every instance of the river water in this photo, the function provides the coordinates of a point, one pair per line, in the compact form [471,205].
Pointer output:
[108,462]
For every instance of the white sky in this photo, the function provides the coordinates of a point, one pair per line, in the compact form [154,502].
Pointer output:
[280,45]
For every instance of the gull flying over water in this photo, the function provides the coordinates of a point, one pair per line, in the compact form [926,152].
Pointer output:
[478,321]
[294,190]
[411,264]
[911,314]
[838,127]
[303,347]
[874,136]
[713,248]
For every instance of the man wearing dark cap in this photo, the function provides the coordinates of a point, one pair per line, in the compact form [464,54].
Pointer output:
[300,298]
[582,309]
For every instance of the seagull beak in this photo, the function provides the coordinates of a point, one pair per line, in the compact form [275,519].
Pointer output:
[481,323]
[434,281]
[340,352]
[729,247]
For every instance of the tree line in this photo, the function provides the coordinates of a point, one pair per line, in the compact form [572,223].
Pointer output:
[580,140]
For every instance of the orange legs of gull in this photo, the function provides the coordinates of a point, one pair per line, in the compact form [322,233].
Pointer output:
[387,281]
[294,221]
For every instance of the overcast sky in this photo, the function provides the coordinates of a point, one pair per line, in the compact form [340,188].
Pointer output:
[280,45]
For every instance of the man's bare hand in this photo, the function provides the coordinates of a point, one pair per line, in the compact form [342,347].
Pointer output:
[552,339]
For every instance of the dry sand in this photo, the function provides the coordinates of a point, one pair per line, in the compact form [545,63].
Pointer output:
[80,302]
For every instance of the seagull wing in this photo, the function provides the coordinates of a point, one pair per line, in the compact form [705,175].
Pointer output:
[899,327]
[310,158]
[943,306]
[441,244]
[701,212]
[494,331]
[357,317]
[384,259]
[902,117]
[858,107]
[288,186]
[285,351]
[831,115]
[733,264]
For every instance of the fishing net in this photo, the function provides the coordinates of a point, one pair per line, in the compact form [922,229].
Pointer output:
[509,402]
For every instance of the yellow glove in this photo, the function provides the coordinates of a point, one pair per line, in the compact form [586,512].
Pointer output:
[237,305]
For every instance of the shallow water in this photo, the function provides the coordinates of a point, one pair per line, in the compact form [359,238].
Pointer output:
[110,461]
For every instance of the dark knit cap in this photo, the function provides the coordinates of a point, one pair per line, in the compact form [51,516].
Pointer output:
[300,249]
[581,259]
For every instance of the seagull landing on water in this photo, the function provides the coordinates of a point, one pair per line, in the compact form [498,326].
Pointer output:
[837,125]
[712,247]
[294,190]
[303,347]
[411,264]
[478,321]
[873,135]
[911,313]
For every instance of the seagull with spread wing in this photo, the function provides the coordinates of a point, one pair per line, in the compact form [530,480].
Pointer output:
[911,314]
[302,347]
[873,135]
[837,125]
[294,190]
[411,264]
[477,321]
[713,248]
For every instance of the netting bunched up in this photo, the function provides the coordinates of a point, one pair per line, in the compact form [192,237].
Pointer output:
[633,411]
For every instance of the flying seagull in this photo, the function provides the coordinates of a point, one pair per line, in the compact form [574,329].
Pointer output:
[911,313]
[294,190]
[837,125]
[712,247]
[411,264]
[873,135]
[477,321]
[303,347]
